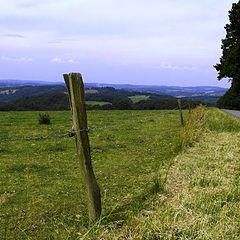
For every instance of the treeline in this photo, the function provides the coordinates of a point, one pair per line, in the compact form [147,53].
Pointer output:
[110,94]
[231,99]
[160,104]
[49,101]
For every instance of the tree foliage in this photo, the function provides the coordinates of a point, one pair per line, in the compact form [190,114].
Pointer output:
[229,66]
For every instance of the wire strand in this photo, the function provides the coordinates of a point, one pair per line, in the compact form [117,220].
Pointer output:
[51,136]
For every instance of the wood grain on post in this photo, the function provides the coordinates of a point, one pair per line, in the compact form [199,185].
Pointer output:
[76,95]
[180,111]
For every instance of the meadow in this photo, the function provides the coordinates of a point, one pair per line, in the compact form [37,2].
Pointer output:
[138,98]
[41,192]
[134,157]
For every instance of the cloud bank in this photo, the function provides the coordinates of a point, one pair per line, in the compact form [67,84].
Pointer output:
[170,35]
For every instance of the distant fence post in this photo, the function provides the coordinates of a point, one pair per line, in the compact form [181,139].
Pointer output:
[180,111]
[189,107]
[76,95]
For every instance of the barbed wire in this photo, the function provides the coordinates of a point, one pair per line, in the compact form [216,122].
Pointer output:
[51,136]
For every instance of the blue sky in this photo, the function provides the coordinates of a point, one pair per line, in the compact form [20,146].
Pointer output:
[111,41]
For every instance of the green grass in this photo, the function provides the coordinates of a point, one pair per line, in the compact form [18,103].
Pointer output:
[41,192]
[202,192]
[220,121]
[137,98]
[158,180]
[203,195]
[97,103]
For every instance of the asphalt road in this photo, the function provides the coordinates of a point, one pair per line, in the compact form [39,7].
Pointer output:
[233,113]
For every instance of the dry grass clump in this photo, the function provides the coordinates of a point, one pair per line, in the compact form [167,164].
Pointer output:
[193,127]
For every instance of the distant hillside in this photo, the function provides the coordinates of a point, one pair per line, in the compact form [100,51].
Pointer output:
[14,83]
[175,91]
[55,98]
[11,90]
[8,94]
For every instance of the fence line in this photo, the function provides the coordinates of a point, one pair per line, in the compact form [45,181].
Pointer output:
[51,136]
[61,135]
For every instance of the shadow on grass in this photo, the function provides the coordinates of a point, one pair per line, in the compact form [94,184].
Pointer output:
[122,213]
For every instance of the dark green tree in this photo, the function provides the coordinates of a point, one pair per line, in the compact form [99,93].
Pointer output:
[229,66]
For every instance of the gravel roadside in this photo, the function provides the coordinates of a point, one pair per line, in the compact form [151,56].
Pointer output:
[233,113]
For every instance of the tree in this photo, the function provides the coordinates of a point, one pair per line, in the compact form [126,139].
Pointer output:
[229,66]
[123,104]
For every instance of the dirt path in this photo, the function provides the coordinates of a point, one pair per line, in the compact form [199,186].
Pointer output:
[233,113]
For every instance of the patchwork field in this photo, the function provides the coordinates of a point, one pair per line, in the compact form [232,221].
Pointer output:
[138,98]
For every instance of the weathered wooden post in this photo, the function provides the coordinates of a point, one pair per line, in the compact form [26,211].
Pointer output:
[76,95]
[180,111]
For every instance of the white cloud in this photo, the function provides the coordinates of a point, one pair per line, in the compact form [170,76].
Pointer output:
[61,60]
[167,65]
[56,60]
[12,35]
[17,59]
[70,61]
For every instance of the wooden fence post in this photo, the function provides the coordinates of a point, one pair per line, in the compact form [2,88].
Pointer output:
[180,111]
[189,108]
[76,95]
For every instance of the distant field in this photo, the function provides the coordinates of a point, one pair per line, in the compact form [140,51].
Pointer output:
[91,91]
[97,103]
[138,98]
[41,193]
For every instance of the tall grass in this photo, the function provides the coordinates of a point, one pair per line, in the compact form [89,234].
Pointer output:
[193,127]
[219,121]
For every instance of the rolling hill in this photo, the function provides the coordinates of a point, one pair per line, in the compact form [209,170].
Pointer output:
[41,95]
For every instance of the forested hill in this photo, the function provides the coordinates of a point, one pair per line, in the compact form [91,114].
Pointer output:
[54,97]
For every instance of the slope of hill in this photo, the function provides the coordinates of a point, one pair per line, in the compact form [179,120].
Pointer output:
[54,97]
[14,83]
[96,98]
[15,89]
[8,94]
[175,91]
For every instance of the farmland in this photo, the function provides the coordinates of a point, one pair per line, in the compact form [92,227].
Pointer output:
[97,103]
[135,156]
[138,98]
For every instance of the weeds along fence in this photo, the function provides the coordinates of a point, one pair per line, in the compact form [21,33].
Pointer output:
[81,130]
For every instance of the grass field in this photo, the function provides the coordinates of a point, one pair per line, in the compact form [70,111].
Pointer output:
[158,180]
[202,192]
[41,192]
[138,98]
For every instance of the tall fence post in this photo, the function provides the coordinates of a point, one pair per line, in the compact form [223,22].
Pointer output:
[180,111]
[76,95]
